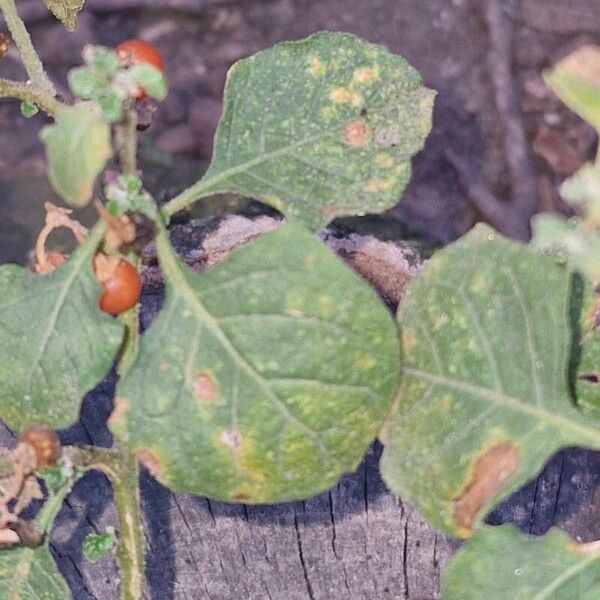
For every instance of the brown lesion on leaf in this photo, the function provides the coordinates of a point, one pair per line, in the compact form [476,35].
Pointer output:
[151,461]
[205,388]
[494,468]
[119,413]
[356,133]
[242,497]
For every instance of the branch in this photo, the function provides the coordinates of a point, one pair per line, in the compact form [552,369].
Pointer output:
[122,469]
[22,39]
[28,92]
[501,33]
[126,138]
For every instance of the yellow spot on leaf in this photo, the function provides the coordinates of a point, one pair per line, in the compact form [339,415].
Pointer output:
[365,75]
[326,306]
[384,160]
[409,339]
[378,185]
[340,95]
[274,201]
[315,66]
[365,362]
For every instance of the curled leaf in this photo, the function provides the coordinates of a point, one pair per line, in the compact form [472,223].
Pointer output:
[65,11]
[78,146]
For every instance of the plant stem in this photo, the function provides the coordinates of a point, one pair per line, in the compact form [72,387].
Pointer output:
[131,321]
[49,510]
[202,189]
[31,94]
[130,549]
[126,134]
[122,469]
[31,60]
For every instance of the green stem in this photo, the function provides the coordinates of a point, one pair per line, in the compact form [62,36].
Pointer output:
[126,137]
[202,189]
[122,469]
[131,551]
[31,94]
[31,60]
[131,321]
[45,518]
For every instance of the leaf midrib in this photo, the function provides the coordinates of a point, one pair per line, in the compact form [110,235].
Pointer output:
[174,271]
[76,268]
[561,422]
[567,574]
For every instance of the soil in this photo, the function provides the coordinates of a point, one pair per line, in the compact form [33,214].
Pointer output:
[449,41]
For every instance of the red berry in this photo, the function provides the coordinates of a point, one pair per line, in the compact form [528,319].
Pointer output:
[134,52]
[46,444]
[121,282]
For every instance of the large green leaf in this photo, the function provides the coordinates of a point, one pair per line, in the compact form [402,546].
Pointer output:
[31,574]
[319,128]
[500,563]
[78,146]
[264,379]
[65,11]
[55,344]
[484,400]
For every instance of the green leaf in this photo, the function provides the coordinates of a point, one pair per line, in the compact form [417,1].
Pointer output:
[87,83]
[29,110]
[500,563]
[150,79]
[264,379]
[484,400]
[78,146]
[31,574]
[320,128]
[95,547]
[576,81]
[55,344]
[570,242]
[65,11]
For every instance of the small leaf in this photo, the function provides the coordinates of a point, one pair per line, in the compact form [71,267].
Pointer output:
[484,400]
[78,146]
[55,344]
[65,11]
[95,547]
[262,380]
[569,242]
[150,79]
[29,110]
[500,563]
[320,128]
[87,83]
[576,81]
[31,574]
